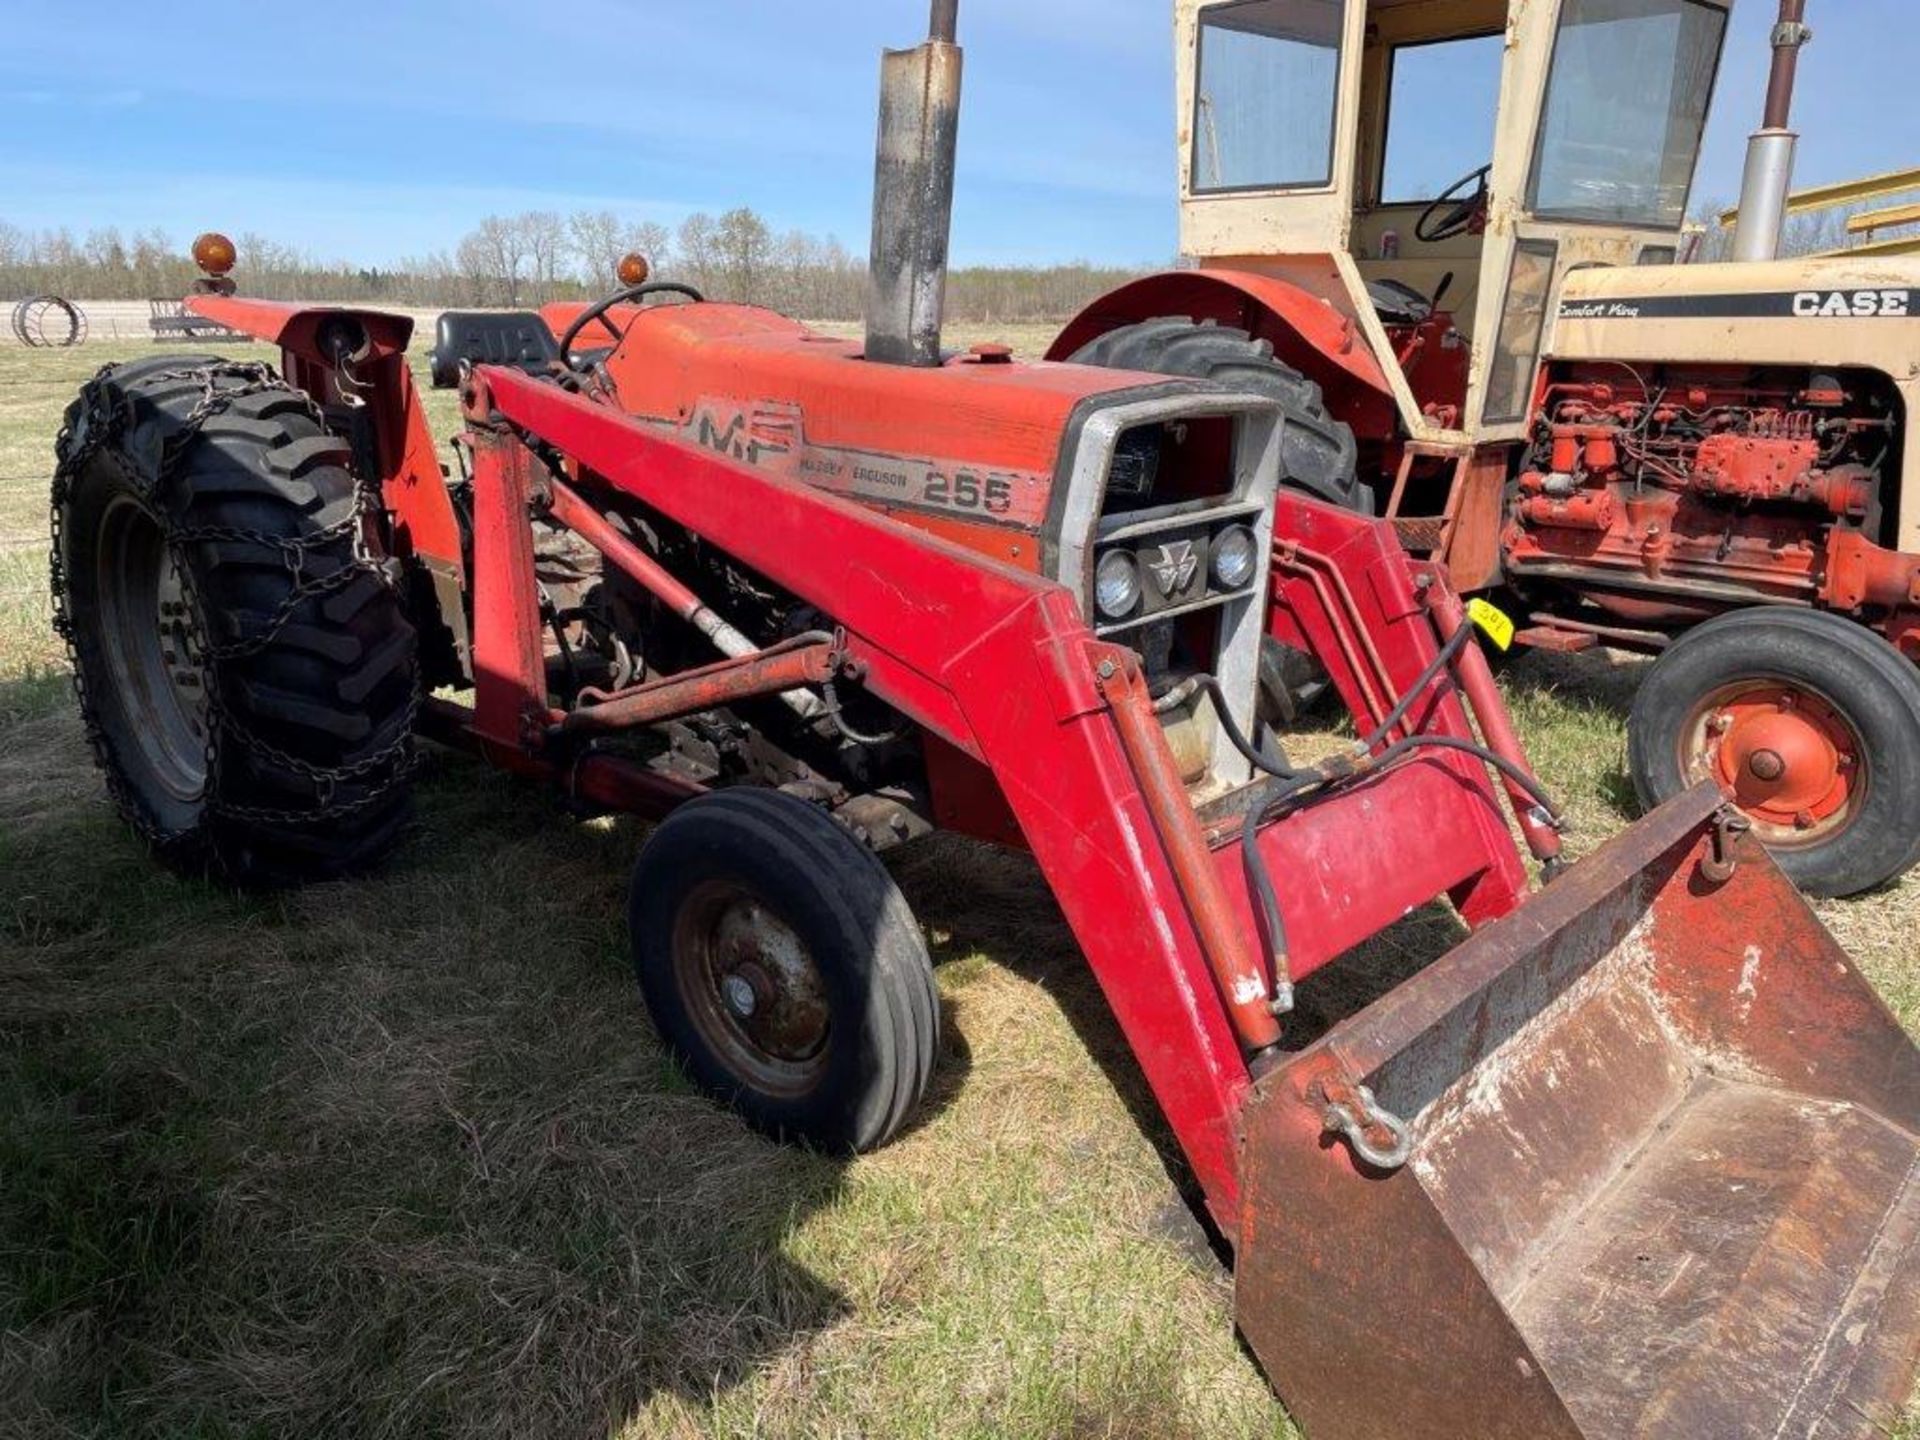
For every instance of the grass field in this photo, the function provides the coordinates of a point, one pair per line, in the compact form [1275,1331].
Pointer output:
[401,1158]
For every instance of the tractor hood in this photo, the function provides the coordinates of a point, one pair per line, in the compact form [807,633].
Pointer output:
[979,449]
[1835,312]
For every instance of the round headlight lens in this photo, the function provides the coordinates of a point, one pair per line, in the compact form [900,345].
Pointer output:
[1236,554]
[1116,585]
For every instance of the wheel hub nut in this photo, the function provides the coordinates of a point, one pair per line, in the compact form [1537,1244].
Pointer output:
[738,994]
[1767,765]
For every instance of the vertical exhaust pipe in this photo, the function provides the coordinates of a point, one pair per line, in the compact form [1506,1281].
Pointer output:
[913,194]
[1770,153]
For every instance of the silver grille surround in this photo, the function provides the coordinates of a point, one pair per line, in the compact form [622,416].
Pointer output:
[1085,529]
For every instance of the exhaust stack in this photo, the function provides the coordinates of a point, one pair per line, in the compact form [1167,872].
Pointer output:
[913,194]
[1770,153]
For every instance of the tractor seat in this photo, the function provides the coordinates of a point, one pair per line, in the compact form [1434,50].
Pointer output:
[518,338]
[1398,304]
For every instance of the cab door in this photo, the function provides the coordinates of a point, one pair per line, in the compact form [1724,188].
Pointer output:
[1603,108]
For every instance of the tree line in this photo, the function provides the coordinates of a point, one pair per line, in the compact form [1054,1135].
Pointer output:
[525,260]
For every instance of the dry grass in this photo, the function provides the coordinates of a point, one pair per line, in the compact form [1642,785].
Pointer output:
[403,1159]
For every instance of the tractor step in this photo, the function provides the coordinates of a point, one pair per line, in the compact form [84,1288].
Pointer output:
[1660,1174]
[1555,639]
[1422,535]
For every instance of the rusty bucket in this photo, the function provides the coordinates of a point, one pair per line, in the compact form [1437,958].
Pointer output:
[1641,1160]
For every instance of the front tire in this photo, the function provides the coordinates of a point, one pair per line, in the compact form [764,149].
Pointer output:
[784,970]
[245,672]
[1809,722]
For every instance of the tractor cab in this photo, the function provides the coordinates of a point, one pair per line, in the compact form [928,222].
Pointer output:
[1433,169]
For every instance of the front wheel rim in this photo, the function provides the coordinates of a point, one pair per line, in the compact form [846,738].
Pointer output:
[1787,755]
[752,989]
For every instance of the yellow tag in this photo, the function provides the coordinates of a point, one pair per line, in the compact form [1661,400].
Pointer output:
[1495,622]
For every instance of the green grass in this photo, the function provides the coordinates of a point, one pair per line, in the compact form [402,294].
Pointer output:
[401,1158]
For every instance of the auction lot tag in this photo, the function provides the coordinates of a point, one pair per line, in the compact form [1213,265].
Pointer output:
[1493,621]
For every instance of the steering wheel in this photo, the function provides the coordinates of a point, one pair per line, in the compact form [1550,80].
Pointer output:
[598,312]
[1467,214]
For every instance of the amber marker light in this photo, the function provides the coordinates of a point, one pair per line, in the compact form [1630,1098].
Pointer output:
[634,270]
[214,253]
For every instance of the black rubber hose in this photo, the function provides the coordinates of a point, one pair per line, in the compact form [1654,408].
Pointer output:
[1254,755]
[1518,774]
[1302,789]
[1449,652]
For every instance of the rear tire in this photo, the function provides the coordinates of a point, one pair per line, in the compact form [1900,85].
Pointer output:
[784,970]
[245,673]
[1810,722]
[1318,454]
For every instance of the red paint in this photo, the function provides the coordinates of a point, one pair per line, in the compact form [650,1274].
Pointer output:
[1496,725]
[509,641]
[1231,296]
[408,466]
[1786,755]
[1000,667]
[711,687]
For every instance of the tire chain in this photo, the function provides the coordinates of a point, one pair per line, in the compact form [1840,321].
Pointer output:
[90,427]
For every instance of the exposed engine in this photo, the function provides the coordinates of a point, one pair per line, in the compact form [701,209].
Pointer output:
[1671,493]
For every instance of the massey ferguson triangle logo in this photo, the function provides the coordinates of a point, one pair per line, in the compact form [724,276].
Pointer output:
[1174,568]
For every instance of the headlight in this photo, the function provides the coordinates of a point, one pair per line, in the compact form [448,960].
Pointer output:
[1116,585]
[1236,555]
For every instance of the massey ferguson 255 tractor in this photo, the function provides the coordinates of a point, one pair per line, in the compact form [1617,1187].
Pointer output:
[1707,463]
[1640,1157]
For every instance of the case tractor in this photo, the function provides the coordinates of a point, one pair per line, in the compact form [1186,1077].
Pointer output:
[1447,230]
[1639,1157]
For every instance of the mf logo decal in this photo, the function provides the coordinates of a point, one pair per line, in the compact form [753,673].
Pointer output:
[773,436]
[1853,304]
[1174,566]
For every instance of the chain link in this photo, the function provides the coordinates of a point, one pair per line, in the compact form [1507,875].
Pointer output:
[92,424]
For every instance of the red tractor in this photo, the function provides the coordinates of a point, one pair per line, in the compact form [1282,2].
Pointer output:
[1637,1158]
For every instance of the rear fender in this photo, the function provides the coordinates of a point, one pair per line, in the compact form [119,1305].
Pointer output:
[355,361]
[1306,332]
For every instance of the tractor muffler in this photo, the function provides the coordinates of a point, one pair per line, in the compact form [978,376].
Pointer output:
[1642,1160]
[913,194]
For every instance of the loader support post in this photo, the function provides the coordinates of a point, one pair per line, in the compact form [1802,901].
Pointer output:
[509,652]
[1243,987]
[1476,681]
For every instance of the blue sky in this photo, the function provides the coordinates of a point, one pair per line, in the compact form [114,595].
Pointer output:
[375,131]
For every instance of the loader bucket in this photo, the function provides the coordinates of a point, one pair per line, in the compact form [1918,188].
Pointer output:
[1660,1174]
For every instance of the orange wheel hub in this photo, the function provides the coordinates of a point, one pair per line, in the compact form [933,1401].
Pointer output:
[1788,757]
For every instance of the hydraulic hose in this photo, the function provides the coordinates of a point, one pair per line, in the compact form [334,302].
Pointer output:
[1295,790]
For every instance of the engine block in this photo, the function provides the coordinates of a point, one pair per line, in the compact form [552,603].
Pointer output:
[1667,496]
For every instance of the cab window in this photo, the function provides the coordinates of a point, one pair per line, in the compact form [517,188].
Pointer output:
[1267,95]
[1626,108]
[1443,105]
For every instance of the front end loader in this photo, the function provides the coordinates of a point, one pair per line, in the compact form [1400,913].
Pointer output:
[1640,1157]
